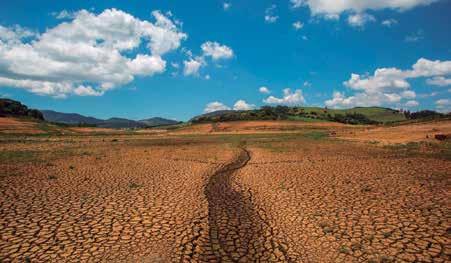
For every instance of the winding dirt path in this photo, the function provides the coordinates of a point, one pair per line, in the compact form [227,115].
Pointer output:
[237,231]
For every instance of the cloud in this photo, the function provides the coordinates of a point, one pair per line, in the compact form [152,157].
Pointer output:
[387,86]
[296,3]
[332,9]
[270,17]
[215,106]
[264,90]
[443,105]
[216,51]
[64,14]
[415,37]
[412,104]
[389,22]
[289,98]
[360,19]
[339,100]
[87,91]
[322,7]
[209,49]
[146,65]
[439,81]
[243,105]
[15,35]
[226,6]
[192,66]
[298,25]
[88,55]
[307,84]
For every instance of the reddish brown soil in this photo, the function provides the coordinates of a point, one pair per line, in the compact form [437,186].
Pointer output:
[400,134]
[280,198]
[13,125]
[331,202]
[251,127]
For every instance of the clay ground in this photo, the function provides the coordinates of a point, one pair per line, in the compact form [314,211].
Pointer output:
[308,195]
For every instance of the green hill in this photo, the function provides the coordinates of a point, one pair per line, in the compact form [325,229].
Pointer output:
[12,108]
[358,115]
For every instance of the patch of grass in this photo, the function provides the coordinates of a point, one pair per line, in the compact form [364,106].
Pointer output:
[316,135]
[133,185]
[439,150]
[282,186]
[387,234]
[18,156]
[71,167]
[366,188]
[344,249]
[327,228]
[52,177]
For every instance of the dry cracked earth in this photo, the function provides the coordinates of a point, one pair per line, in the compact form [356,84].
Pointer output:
[287,198]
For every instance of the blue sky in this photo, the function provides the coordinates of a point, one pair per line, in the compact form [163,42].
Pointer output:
[177,59]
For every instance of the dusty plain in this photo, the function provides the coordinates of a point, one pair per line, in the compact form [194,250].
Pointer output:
[228,192]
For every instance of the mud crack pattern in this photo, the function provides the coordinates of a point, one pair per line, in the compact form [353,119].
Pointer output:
[237,231]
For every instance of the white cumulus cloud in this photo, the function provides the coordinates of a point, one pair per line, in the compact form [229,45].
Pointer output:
[289,98]
[298,25]
[215,106]
[360,19]
[87,55]
[64,14]
[439,81]
[216,51]
[443,105]
[389,86]
[243,105]
[319,7]
[332,9]
[192,66]
[264,90]
[412,104]
[210,49]
[389,22]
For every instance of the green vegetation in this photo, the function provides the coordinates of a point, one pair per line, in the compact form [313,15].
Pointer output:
[18,156]
[14,108]
[359,115]
[344,249]
[316,135]
[133,185]
[424,115]
[413,149]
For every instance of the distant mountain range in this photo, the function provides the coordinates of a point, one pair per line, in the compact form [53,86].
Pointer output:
[69,118]
[157,121]
[74,119]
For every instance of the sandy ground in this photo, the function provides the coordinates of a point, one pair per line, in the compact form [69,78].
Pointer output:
[284,197]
